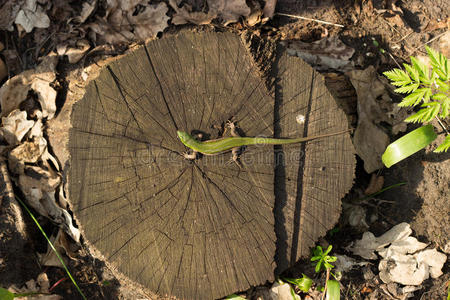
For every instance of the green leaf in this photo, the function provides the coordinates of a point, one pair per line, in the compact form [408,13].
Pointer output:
[6,295]
[433,55]
[412,72]
[328,250]
[328,265]
[318,266]
[407,88]
[318,251]
[440,63]
[444,146]
[408,144]
[443,86]
[333,290]
[439,97]
[426,114]
[304,283]
[424,72]
[398,77]
[414,98]
[331,259]
[445,108]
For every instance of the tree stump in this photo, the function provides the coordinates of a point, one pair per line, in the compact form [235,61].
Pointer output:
[204,229]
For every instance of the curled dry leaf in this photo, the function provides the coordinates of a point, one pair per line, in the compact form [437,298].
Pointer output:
[227,11]
[38,186]
[185,15]
[399,264]
[16,89]
[8,13]
[27,152]
[123,24]
[60,242]
[86,10]
[15,126]
[411,269]
[74,54]
[375,106]
[269,9]
[32,15]
[375,184]
[329,53]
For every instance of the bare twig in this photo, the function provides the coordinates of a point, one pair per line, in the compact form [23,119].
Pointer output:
[309,19]
[442,125]
[435,38]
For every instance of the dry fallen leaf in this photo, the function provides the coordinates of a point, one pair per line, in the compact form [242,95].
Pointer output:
[16,89]
[375,184]
[128,20]
[8,13]
[329,53]
[229,11]
[86,11]
[375,106]
[269,9]
[74,54]
[185,15]
[151,21]
[32,15]
[226,11]
[15,126]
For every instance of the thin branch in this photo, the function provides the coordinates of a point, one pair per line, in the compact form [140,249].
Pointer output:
[309,19]
[435,38]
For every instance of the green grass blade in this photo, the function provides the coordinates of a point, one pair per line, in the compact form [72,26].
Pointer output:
[53,248]
[408,144]
[333,290]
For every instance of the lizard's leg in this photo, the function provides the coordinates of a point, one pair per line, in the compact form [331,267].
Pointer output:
[190,156]
[235,150]
[193,154]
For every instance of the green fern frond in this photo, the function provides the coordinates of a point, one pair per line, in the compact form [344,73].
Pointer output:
[398,77]
[444,146]
[413,98]
[439,62]
[426,114]
[407,88]
[412,72]
[445,108]
[424,72]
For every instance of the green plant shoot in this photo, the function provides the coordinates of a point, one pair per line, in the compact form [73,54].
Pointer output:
[428,89]
[323,260]
[304,283]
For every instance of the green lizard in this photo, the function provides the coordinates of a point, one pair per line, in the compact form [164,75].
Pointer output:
[233,143]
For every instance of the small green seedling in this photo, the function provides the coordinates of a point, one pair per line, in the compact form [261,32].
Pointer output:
[428,89]
[304,283]
[323,261]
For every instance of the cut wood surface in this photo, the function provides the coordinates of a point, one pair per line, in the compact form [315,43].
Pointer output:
[204,229]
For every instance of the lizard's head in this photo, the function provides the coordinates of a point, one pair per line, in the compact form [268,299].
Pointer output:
[184,137]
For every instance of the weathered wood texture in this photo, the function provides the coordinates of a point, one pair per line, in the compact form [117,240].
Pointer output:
[312,177]
[203,229]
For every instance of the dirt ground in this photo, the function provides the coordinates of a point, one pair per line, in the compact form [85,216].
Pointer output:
[401,28]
